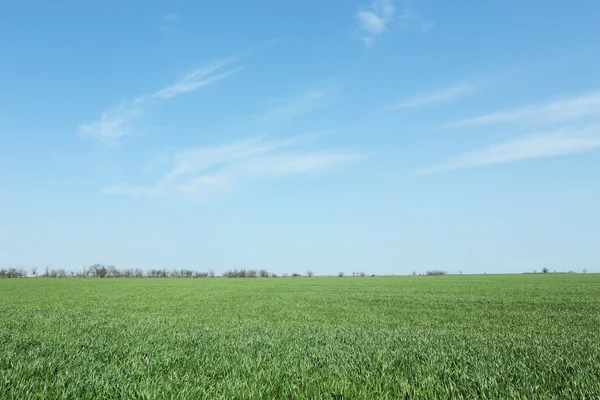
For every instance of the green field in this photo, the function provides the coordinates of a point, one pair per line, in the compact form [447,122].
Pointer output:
[490,336]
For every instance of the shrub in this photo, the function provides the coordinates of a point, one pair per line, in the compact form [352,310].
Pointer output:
[435,273]
[12,273]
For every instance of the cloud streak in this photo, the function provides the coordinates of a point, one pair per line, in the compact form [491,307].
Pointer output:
[559,110]
[560,142]
[205,171]
[118,122]
[436,97]
[296,106]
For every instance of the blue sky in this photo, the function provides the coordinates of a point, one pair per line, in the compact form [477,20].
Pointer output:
[382,136]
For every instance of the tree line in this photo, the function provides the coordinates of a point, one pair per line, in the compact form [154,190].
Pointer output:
[111,271]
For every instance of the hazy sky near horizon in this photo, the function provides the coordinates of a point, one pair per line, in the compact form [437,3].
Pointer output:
[382,136]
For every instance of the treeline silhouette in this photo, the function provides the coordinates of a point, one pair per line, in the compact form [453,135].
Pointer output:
[111,271]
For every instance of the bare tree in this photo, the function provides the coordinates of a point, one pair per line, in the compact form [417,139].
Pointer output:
[211,273]
[460,272]
[47,271]
[112,272]
[584,270]
[309,273]
[34,271]
[341,274]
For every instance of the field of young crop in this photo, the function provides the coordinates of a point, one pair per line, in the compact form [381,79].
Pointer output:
[505,336]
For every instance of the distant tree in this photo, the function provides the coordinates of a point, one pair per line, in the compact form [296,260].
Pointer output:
[263,273]
[211,273]
[112,272]
[584,270]
[34,271]
[414,273]
[435,273]
[362,274]
[460,272]
[12,273]
[545,270]
[47,271]
[62,273]
[309,273]
[535,271]
[101,270]
[296,275]
[341,274]
[273,275]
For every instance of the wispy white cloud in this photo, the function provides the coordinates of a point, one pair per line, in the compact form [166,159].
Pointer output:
[383,14]
[297,105]
[170,17]
[119,122]
[555,143]
[560,110]
[209,170]
[114,124]
[374,22]
[437,96]
[195,80]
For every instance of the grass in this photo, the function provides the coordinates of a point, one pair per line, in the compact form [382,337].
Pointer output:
[511,336]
